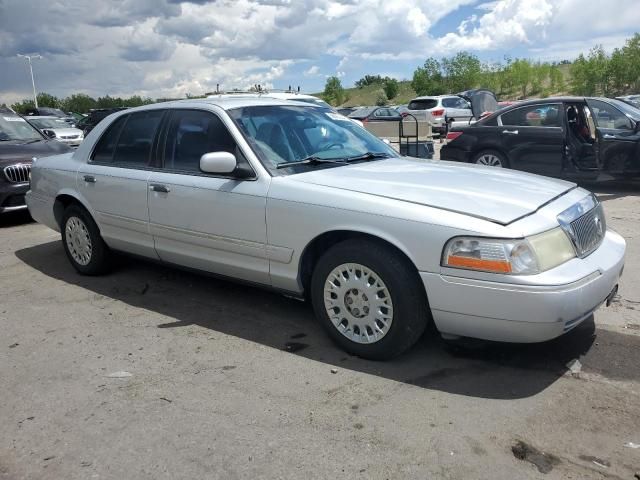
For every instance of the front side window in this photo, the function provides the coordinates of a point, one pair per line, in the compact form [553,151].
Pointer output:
[282,134]
[191,134]
[450,102]
[608,116]
[533,116]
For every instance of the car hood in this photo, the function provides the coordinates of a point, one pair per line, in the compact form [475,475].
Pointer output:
[19,152]
[498,195]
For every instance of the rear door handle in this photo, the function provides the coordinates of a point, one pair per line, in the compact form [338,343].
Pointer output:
[90,179]
[510,132]
[156,187]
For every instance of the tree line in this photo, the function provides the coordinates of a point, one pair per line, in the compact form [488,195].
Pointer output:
[80,102]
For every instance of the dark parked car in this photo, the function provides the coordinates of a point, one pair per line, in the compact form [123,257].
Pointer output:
[94,117]
[633,100]
[569,137]
[346,111]
[52,112]
[20,143]
[376,114]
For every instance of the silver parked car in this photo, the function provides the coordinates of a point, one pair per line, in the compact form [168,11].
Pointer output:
[58,129]
[303,201]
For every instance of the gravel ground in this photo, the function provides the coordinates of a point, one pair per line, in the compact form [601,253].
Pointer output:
[152,372]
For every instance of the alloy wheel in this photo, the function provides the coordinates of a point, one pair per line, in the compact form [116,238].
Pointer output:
[358,303]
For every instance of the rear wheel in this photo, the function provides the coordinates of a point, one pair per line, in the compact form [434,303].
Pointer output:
[491,158]
[82,242]
[369,299]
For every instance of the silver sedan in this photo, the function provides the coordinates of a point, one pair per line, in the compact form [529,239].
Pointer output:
[303,201]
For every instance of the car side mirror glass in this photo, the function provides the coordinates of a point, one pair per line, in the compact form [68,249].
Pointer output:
[222,163]
[49,133]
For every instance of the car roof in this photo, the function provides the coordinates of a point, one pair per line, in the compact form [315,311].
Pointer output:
[226,102]
[48,117]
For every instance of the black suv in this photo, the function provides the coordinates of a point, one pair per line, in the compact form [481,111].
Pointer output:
[95,116]
[20,143]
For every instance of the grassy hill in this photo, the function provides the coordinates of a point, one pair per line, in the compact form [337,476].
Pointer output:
[369,95]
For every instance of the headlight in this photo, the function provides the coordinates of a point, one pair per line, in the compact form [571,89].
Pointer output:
[526,256]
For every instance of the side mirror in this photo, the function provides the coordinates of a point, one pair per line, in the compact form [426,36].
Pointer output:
[49,133]
[223,163]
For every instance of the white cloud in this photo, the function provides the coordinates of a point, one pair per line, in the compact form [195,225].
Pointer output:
[312,71]
[167,48]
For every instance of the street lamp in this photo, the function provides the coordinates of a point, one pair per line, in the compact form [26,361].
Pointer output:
[33,83]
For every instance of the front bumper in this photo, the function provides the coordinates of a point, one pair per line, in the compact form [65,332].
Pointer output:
[525,313]
[12,196]
[72,142]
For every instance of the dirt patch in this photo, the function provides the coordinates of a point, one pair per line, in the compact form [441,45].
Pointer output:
[543,461]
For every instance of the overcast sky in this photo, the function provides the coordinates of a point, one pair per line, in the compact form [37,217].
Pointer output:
[168,48]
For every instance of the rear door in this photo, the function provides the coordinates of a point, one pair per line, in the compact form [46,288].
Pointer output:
[114,181]
[617,140]
[533,142]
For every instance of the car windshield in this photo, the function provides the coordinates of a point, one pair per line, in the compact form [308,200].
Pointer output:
[13,127]
[627,109]
[290,134]
[49,123]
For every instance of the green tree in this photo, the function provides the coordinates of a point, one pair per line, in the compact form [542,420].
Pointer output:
[333,91]
[381,99]
[556,79]
[428,79]
[462,71]
[48,100]
[22,106]
[369,80]
[391,88]
[79,102]
[521,73]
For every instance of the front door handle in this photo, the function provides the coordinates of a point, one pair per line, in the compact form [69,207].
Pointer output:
[156,187]
[90,179]
[607,136]
[510,132]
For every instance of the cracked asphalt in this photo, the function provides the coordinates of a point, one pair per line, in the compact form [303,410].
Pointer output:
[152,372]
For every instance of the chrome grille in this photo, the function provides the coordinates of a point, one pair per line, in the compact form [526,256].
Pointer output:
[589,230]
[69,137]
[17,173]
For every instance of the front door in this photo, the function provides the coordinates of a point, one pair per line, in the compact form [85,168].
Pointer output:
[203,221]
[617,139]
[534,142]
[114,181]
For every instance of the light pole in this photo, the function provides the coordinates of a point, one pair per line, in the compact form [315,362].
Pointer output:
[33,83]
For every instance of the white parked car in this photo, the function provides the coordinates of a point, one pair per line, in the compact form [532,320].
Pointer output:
[443,109]
[58,129]
[303,201]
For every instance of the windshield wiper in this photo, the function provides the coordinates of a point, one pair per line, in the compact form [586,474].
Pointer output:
[313,160]
[309,161]
[367,156]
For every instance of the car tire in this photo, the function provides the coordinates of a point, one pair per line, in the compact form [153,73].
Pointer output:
[491,158]
[340,282]
[82,242]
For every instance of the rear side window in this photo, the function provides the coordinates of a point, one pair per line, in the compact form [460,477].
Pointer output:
[107,143]
[191,134]
[450,102]
[134,144]
[533,116]
[423,104]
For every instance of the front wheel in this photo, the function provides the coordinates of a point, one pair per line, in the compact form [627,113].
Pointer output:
[82,242]
[491,158]
[369,299]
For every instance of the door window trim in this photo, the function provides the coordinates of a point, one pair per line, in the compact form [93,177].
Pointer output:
[560,106]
